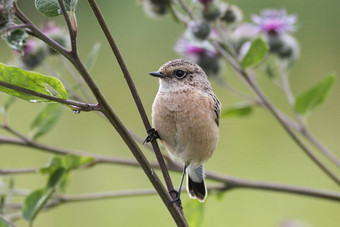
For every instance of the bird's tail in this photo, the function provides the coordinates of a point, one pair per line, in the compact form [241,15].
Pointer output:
[195,183]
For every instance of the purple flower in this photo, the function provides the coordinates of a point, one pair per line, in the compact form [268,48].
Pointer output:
[273,21]
[192,48]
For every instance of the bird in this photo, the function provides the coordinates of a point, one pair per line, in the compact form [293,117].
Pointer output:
[185,117]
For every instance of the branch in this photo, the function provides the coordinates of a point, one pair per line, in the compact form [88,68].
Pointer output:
[80,105]
[10,223]
[18,171]
[98,159]
[133,90]
[230,182]
[71,29]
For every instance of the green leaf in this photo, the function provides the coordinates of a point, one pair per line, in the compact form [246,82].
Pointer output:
[16,39]
[73,161]
[240,110]
[92,56]
[68,162]
[55,177]
[30,80]
[314,96]
[54,164]
[257,51]
[35,201]
[46,119]
[64,181]
[4,223]
[194,212]
[51,8]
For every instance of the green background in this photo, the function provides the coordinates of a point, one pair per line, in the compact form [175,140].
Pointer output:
[255,147]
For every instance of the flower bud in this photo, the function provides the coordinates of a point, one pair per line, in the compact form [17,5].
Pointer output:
[231,14]
[290,49]
[156,8]
[16,39]
[211,12]
[284,46]
[33,55]
[200,29]
[210,64]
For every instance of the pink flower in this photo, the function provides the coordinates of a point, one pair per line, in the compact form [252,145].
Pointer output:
[30,46]
[273,21]
[189,47]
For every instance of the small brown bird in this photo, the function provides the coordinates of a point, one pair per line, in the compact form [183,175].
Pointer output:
[185,114]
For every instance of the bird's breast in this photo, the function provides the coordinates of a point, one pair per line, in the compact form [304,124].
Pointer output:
[185,121]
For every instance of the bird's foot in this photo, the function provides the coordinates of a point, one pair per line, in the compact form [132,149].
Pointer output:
[177,199]
[152,135]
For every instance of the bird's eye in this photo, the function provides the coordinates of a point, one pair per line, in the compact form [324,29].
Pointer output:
[180,73]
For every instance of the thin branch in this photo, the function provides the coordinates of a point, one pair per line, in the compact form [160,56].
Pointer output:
[72,31]
[98,159]
[7,221]
[234,182]
[229,181]
[18,171]
[133,90]
[105,195]
[79,105]
[16,27]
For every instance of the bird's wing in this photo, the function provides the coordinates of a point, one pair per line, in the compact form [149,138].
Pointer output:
[217,108]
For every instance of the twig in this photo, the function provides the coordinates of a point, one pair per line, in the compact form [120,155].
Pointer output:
[79,105]
[18,171]
[7,221]
[72,31]
[230,181]
[233,182]
[133,90]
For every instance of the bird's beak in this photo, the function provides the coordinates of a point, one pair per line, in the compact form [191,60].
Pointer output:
[157,74]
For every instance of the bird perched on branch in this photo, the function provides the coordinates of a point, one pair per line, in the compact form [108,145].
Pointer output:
[185,116]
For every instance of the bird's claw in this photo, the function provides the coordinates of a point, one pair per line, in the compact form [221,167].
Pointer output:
[152,135]
[176,200]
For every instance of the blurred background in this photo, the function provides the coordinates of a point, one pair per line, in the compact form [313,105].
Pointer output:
[255,147]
